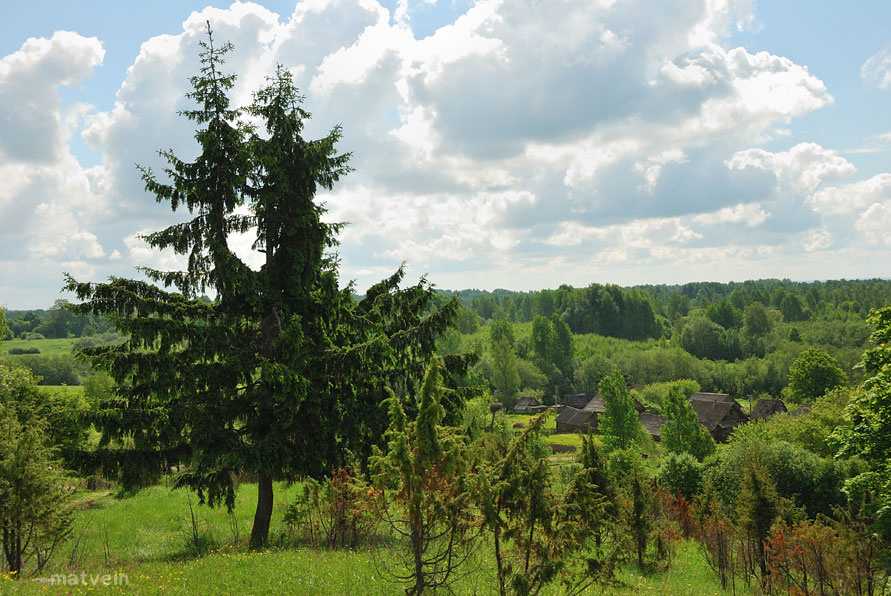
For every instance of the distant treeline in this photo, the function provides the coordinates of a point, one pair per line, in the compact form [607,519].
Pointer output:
[57,322]
[650,311]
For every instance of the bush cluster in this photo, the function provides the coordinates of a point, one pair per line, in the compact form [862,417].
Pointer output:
[20,351]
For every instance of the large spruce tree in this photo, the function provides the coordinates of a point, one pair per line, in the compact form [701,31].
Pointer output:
[282,372]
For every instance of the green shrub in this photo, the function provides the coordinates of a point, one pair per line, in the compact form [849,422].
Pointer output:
[337,512]
[806,479]
[681,473]
[621,462]
[58,369]
[812,374]
[653,395]
[19,351]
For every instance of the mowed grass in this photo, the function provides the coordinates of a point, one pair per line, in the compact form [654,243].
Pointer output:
[47,347]
[140,544]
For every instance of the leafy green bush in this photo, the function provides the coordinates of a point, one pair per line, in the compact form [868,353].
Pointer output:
[813,430]
[653,395]
[621,462]
[807,480]
[337,512]
[681,473]
[19,351]
[812,374]
[56,369]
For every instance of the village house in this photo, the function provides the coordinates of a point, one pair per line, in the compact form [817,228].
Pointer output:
[718,413]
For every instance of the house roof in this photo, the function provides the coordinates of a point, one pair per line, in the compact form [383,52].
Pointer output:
[803,409]
[712,412]
[768,407]
[722,397]
[652,422]
[526,402]
[596,405]
[574,417]
[577,401]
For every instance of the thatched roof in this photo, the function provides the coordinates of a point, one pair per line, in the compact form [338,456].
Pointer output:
[711,413]
[573,420]
[577,401]
[713,397]
[524,403]
[803,409]
[767,407]
[718,416]
[653,423]
[596,405]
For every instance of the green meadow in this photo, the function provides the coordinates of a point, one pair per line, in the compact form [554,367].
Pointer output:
[47,347]
[143,544]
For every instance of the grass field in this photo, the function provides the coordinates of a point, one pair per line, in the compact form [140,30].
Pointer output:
[69,389]
[47,347]
[139,543]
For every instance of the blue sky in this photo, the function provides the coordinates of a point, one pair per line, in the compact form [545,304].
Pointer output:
[495,145]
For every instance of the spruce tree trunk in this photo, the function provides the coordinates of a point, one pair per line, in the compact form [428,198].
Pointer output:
[417,545]
[260,531]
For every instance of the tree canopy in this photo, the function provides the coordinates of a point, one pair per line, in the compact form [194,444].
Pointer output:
[869,433]
[812,374]
[683,433]
[618,423]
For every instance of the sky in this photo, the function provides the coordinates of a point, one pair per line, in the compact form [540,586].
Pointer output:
[496,143]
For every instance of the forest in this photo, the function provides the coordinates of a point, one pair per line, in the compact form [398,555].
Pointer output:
[689,439]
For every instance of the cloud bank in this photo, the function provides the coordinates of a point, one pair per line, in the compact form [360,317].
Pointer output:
[514,147]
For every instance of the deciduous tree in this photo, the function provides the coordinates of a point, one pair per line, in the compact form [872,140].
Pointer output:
[683,433]
[812,374]
[618,424]
[34,513]
[868,434]
[505,376]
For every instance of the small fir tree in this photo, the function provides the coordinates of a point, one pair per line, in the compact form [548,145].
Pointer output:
[422,476]
[757,509]
[539,536]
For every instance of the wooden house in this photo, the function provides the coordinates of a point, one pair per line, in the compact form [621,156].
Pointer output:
[524,404]
[653,423]
[572,420]
[767,407]
[718,413]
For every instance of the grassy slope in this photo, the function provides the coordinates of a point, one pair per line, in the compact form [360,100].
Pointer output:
[147,534]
